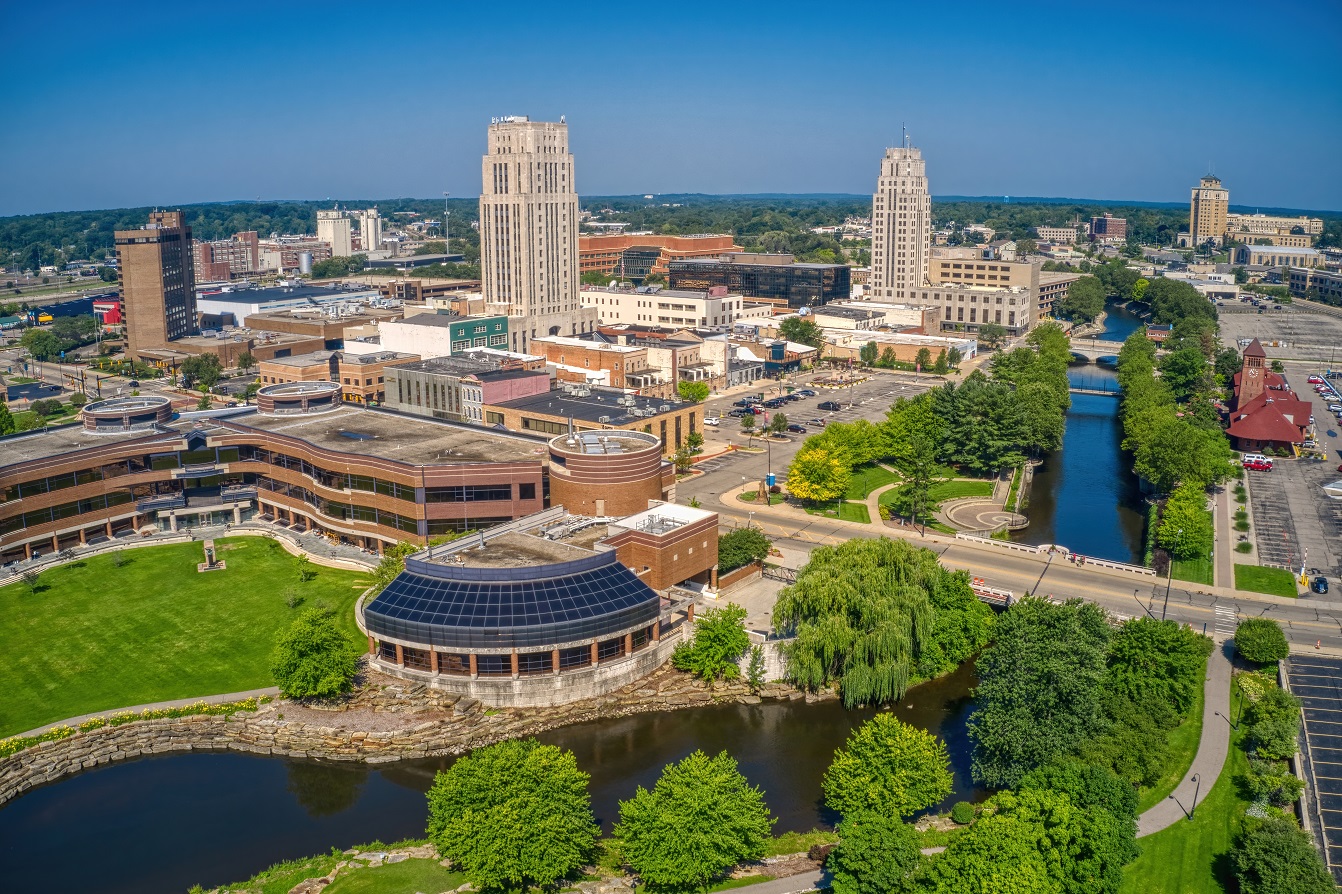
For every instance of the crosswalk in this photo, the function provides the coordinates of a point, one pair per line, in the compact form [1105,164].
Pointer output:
[1225,621]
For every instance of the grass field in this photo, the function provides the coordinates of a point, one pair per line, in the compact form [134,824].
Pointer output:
[1187,858]
[853,512]
[866,479]
[398,878]
[954,490]
[1183,741]
[1273,581]
[96,637]
[1198,570]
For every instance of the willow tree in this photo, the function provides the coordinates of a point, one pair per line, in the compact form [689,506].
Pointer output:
[875,616]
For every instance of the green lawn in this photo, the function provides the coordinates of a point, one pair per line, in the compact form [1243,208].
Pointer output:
[853,512]
[1183,858]
[1183,741]
[1198,570]
[866,479]
[96,637]
[954,490]
[751,496]
[407,877]
[1273,581]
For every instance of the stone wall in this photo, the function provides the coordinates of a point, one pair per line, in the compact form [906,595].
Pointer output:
[387,720]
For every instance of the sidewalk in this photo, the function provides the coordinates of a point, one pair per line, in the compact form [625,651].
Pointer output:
[175,703]
[1223,573]
[1212,750]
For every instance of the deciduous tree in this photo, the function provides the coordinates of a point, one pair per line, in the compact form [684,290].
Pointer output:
[313,658]
[699,820]
[741,547]
[717,645]
[888,766]
[694,392]
[513,815]
[877,854]
[1260,640]
[818,475]
[1272,856]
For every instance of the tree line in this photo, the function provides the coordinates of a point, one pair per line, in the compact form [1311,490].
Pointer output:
[1170,421]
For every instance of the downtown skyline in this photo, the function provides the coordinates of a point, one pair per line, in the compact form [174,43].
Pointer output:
[1069,103]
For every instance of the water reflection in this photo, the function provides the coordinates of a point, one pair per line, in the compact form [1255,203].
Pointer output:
[326,789]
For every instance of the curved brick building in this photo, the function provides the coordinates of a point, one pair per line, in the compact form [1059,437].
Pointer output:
[609,472]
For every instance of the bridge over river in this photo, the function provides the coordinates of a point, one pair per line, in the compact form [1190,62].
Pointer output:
[1094,348]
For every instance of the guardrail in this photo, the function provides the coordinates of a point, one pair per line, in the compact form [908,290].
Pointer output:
[1002,544]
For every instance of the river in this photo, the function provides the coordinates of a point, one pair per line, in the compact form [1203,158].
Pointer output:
[162,824]
[1085,496]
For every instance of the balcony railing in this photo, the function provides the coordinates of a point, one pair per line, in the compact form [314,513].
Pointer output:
[166,501]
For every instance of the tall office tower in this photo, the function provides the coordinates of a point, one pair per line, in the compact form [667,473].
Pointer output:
[370,229]
[529,229]
[333,228]
[901,225]
[1207,211]
[157,278]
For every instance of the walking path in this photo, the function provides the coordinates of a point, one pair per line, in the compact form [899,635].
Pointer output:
[1223,573]
[175,703]
[1213,748]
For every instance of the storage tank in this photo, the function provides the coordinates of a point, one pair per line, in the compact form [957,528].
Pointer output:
[305,262]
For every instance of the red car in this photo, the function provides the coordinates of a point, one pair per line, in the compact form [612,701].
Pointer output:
[1257,465]
[1316,380]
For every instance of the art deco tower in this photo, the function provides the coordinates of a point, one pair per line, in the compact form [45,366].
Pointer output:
[529,227]
[901,225]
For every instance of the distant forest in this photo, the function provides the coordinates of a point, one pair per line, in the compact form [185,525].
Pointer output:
[779,223]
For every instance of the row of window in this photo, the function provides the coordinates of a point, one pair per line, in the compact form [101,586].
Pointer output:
[64,510]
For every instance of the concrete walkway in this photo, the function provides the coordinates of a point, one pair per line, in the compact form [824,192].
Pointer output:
[1213,748]
[176,703]
[1223,569]
[793,884]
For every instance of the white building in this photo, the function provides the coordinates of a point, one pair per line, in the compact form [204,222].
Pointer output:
[655,306]
[1064,235]
[333,228]
[901,225]
[529,229]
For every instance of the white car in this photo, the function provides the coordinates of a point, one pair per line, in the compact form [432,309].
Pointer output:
[712,420]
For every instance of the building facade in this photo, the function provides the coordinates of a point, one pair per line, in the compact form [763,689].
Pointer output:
[655,306]
[1051,287]
[776,278]
[1207,212]
[1319,285]
[637,257]
[457,388]
[597,362]
[226,259]
[1277,256]
[579,408]
[362,377]
[156,273]
[901,226]
[529,230]
[1065,235]
[442,335]
[1108,228]
[335,229]
[1294,232]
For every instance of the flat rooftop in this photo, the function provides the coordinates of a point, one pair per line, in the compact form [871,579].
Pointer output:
[66,439]
[510,550]
[408,439]
[286,293]
[592,407]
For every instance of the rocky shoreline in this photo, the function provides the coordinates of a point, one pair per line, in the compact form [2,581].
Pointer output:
[387,719]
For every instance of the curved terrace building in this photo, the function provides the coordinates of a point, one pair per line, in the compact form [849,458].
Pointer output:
[520,618]
[301,459]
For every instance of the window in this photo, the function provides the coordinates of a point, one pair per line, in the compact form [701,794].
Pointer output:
[470,493]
[526,491]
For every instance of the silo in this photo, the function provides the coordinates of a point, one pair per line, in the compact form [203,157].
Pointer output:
[305,262]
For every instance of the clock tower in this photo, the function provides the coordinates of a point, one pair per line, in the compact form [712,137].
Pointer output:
[1254,374]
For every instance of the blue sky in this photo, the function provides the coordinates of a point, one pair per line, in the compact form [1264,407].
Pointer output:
[123,104]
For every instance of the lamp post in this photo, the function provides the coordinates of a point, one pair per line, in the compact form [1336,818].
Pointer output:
[447,230]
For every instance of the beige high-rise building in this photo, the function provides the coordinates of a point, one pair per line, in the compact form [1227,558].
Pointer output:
[1207,212]
[370,229]
[529,229]
[901,225]
[333,228]
[156,273]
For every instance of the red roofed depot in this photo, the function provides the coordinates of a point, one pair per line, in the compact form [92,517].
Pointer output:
[1267,413]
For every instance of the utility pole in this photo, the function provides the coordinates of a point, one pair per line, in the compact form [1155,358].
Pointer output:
[447,230]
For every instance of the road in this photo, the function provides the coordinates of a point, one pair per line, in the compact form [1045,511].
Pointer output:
[1214,610]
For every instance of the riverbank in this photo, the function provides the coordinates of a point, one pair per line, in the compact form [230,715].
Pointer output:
[386,720]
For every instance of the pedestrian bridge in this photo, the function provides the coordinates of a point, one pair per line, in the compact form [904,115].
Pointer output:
[1093,349]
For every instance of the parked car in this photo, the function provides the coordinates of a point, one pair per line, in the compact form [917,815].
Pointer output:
[831,406]
[738,413]
[1315,380]
[712,420]
[744,402]
[805,392]
[1257,465]
[1319,585]
[796,429]
[819,422]
[791,397]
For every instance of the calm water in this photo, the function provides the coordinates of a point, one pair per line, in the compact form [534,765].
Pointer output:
[1085,495]
[162,824]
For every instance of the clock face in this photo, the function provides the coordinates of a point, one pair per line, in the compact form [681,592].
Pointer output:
[1253,373]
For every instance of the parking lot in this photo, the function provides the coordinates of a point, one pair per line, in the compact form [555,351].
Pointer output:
[1317,682]
[1294,521]
[1299,334]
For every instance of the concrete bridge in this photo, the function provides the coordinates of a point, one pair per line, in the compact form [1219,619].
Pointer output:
[1094,348]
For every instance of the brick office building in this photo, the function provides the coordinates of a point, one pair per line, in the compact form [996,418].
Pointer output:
[155,270]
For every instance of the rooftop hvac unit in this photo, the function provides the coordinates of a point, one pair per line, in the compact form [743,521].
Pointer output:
[665,408]
[604,420]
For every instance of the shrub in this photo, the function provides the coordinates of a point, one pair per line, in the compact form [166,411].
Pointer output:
[313,659]
[1244,547]
[719,641]
[876,854]
[741,547]
[1274,857]
[1260,640]
[1241,525]
[963,813]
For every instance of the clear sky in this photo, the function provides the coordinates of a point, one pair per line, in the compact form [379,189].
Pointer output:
[141,103]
